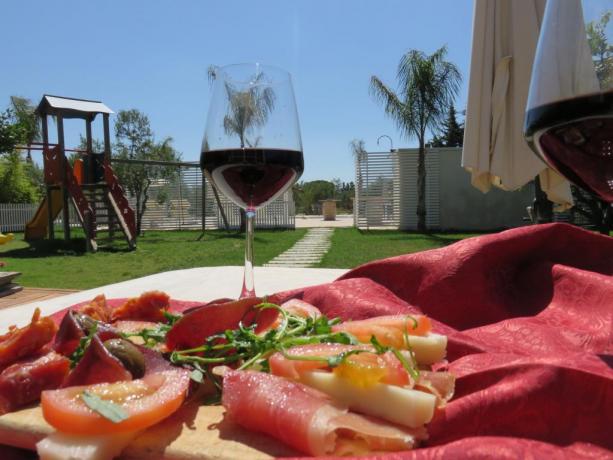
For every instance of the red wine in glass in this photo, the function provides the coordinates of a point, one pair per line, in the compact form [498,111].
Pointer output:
[252,149]
[575,137]
[252,177]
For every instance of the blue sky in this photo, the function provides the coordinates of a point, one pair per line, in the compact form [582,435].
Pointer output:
[153,56]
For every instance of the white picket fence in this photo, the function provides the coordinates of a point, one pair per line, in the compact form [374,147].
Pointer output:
[13,217]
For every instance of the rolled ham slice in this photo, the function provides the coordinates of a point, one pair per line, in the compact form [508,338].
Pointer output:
[306,419]
[389,330]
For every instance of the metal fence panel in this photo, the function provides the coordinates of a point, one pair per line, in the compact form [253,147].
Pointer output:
[175,204]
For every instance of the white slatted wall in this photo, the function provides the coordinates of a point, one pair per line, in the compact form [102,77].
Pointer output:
[386,190]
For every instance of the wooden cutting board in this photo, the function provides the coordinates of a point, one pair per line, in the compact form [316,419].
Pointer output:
[194,432]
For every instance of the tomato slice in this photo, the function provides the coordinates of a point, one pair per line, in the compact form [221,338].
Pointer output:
[146,402]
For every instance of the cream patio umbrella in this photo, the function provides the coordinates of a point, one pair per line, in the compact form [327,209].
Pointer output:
[505,34]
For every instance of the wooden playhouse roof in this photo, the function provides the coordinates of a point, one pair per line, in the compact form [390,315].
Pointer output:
[68,107]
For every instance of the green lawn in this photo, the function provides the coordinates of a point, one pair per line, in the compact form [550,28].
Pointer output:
[352,247]
[65,265]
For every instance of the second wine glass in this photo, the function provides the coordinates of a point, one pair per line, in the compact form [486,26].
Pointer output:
[252,149]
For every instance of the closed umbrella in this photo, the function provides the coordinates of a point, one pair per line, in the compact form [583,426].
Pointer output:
[505,35]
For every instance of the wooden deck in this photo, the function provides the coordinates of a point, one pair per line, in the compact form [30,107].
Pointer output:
[28,295]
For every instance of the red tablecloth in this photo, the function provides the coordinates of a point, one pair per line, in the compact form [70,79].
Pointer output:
[529,315]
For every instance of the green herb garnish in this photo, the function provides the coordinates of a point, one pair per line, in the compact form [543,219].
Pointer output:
[243,349]
[107,409]
[84,342]
[171,318]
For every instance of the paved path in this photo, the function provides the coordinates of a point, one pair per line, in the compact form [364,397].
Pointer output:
[342,220]
[307,252]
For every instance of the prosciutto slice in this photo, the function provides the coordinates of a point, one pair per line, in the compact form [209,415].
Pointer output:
[307,419]
[389,330]
[194,327]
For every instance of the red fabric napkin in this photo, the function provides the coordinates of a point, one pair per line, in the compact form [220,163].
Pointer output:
[529,315]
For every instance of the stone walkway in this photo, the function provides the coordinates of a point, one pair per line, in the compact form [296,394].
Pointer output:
[306,252]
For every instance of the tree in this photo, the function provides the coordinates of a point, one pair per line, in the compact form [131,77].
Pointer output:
[602,51]
[427,87]
[135,141]
[248,108]
[309,194]
[10,133]
[451,132]
[20,182]
[16,185]
[344,193]
[27,119]
[597,211]
[358,148]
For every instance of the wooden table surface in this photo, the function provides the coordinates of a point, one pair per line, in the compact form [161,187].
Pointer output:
[28,295]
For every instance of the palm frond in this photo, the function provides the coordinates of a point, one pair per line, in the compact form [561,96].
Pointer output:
[393,106]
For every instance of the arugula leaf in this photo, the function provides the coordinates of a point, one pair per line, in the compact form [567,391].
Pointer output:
[171,318]
[151,336]
[107,409]
[84,342]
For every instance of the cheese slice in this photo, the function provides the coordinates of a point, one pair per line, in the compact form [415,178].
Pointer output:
[428,349]
[62,446]
[395,404]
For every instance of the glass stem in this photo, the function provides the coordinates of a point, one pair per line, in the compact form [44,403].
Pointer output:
[248,284]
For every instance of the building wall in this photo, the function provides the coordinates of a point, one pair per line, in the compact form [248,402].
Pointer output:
[464,207]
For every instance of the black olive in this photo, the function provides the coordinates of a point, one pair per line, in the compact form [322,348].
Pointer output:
[85,322]
[130,356]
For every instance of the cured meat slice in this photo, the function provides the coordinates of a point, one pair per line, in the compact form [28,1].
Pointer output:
[97,309]
[389,330]
[318,427]
[23,382]
[194,327]
[19,343]
[149,306]
[299,308]
[440,384]
[71,332]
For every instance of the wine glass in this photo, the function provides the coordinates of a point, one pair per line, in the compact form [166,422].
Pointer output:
[569,114]
[251,150]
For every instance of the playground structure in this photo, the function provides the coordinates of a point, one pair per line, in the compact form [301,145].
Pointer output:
[91,184]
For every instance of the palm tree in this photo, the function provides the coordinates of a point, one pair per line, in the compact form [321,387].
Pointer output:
[26,118]
[427,87]
[248,108]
